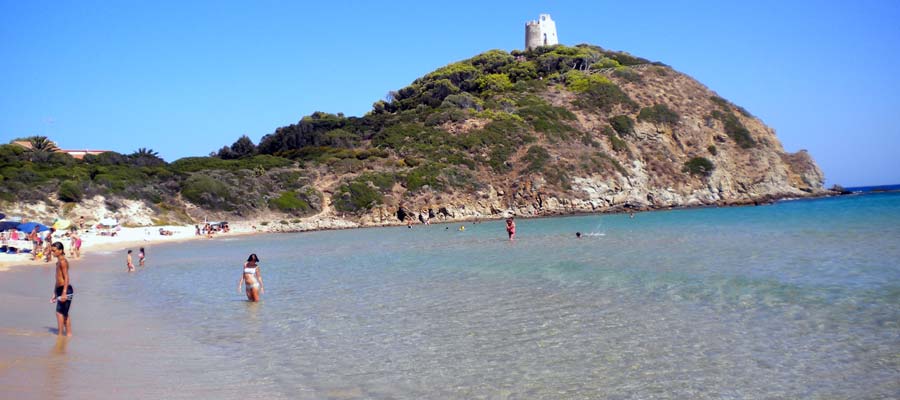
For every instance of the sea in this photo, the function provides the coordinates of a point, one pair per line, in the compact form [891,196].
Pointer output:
[794,300]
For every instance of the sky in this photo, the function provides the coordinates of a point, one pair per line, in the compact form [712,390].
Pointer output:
[185,78]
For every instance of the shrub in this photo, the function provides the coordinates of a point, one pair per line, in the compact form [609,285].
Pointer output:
[658,114]
[627,74]
[297,203]
[580,82]
[606,62]
[493,83]
[698,166]
[712,149]
[70,191]
[618,145]
[604,96]
[424,175]
[203,190]
[537,158]
[735,129]
[546,118]
[356,197]
[623,124]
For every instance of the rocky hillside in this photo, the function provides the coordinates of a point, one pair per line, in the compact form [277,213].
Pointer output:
[555,130]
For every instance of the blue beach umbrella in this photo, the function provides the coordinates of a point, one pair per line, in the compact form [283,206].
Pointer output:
[7,225]
[2,215]
[28,226]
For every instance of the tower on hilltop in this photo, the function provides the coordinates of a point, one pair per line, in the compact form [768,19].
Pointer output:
[540,33]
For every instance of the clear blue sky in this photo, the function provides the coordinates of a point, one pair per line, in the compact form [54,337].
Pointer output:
[186,78]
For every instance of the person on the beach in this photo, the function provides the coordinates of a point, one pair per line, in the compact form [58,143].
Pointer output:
[48,241]
[128,262]
[141,257]
[63,284]
[511,228]
[252,279]
[35,239]
[76,244]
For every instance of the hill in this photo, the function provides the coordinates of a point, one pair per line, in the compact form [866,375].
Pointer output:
[553,130]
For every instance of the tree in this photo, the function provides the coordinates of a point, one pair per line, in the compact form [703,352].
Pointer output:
[41,148]
[243,147]
[144,157]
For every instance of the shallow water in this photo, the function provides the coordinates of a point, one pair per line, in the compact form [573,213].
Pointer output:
[796,300]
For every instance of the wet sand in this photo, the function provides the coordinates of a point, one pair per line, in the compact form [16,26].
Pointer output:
[114,353]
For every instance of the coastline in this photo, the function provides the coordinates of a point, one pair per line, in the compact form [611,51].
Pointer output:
[135,237]
[126,237]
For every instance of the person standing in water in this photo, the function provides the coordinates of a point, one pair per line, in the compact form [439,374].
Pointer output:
[252,279]
[141,257]
[511,228]
[128,262]
[63,284]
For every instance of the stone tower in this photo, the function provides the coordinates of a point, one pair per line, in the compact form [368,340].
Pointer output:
[540,33]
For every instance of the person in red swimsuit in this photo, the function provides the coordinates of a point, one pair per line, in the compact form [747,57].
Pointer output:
[511,228]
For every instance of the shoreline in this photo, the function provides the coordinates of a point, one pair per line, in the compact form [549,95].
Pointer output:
[148,235]
[126,237]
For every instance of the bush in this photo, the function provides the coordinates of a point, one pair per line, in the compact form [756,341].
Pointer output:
[580,82]
[493,83]
[546,118]
[658,114]
[70,191]
[623,124]
[356,197]
[618,145]
[735,129]
[604,96]
[537,158]
[205,191]
[698,166]
[712,149]
[290,202]
[424,175]
[627,74]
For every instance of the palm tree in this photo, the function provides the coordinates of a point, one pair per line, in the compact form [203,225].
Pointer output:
[145,157]
[41,147]
[145,152]
[42,143]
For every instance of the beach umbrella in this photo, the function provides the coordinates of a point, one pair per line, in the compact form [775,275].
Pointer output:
[7,225]
[61,224]
[28,226]
[2,215]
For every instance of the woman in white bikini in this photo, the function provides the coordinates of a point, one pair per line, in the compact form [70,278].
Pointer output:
[252,279]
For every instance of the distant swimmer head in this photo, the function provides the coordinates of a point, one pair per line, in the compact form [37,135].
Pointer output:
[253,258]
[578,235]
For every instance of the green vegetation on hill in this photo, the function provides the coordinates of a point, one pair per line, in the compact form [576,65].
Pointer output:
[450,129]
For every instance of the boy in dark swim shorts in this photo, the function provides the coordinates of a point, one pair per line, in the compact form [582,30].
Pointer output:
[63,300]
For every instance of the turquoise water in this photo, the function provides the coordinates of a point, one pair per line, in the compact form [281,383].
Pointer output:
[800,299]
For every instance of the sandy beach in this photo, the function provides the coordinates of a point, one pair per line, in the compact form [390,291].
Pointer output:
[127,238]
